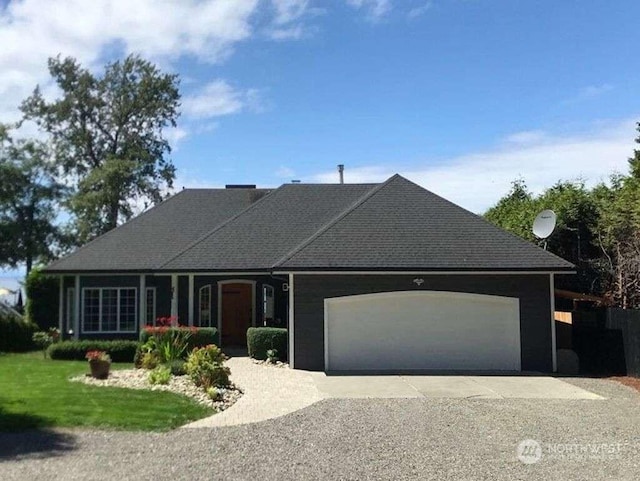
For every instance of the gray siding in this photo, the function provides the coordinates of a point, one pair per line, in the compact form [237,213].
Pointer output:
[162,283]
[183,300]
[163,294]
[532,290]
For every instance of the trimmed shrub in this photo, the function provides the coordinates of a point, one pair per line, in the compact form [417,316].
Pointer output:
[262,339]
[149,360]
[160,375]
[206,369]
[200,336]
[43,296]
[120,351]
[178,367]
[16,333]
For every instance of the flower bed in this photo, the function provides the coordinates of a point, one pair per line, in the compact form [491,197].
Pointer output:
[139,379]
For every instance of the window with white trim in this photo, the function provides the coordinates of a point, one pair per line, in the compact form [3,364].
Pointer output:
[204,304]
[109,309]
[268,302]
[150,309]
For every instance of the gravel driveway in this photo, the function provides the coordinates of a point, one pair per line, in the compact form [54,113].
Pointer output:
[358,439]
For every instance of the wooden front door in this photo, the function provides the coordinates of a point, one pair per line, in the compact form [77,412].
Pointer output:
[237,312]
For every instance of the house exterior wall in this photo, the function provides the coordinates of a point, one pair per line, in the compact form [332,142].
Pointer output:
[162,284]
[281,298]
[532,290]
[163,295]
[183,300]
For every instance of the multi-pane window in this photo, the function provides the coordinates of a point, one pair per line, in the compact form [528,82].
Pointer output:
[109,309]
[150,310]
[127,319]
[91,310]
[204,303]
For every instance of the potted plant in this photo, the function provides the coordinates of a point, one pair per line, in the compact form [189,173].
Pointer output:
[100,363]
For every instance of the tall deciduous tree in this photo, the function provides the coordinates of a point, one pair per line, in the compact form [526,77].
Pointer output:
[108,137]
[29,199]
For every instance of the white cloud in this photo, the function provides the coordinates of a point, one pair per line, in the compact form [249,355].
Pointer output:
[288,11]
[294,32]
[477,180]
[589,92]
[285,172]
[526,137]
[33,30]
[219,98]
[376,9]
[175,135]
[420,10]
[594,91]
[290,19]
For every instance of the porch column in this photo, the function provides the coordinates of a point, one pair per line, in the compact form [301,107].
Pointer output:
[143,302]
[174,295]
[291,322]
[191,299]
[76,301]
[61,307]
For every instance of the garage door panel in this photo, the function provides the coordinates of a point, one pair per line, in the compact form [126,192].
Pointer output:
[422,330]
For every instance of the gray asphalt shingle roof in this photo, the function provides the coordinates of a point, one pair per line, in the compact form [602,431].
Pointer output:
[402,226]
[396,225]
[270,228]
[150,239]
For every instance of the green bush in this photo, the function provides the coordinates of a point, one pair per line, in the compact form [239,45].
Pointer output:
[205,366]
[200,336]
[149,360]
[160,375]
[43,340]
[120,350]
[16,333]
[262,339]
[178,367]
[43,296]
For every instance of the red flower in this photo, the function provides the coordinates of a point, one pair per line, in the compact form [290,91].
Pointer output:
[97,356]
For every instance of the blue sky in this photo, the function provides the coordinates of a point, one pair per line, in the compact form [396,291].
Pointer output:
[461,96]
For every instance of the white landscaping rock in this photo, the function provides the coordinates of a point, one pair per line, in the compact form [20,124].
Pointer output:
[139,379]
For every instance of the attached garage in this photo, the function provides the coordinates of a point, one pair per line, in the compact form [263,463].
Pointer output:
[417,330]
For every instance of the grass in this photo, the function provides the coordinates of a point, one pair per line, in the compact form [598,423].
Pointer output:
[37,393]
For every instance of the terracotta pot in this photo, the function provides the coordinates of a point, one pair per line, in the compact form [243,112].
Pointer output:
[100,369]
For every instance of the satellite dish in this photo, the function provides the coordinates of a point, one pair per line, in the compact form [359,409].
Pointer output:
[544,224]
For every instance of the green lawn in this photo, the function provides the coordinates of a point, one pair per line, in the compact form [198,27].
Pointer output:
[36,393]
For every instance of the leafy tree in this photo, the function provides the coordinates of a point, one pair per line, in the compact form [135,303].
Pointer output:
[516,211]
[573,237]
[29,197]
[618,236]
[107,133]
[42,299]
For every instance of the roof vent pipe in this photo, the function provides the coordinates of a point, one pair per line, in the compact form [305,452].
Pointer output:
[341,172]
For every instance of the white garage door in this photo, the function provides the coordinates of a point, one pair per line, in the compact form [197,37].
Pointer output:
[422,330]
